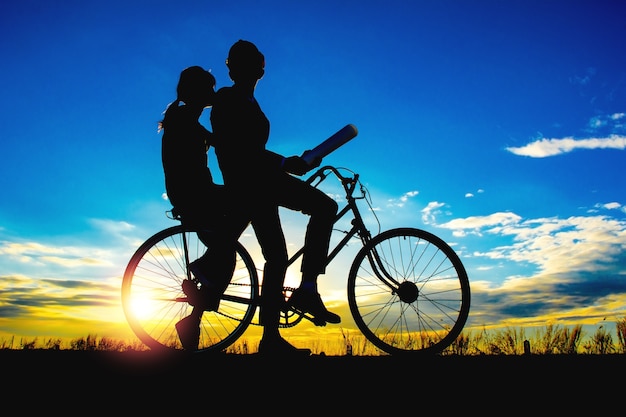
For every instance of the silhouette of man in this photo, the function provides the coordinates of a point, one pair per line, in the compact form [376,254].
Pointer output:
[260,181]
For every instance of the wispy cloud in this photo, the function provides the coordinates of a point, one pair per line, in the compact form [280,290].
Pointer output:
[608,206]
[430,212]
[551,147]
[35,253]
[584,79]
[477,224]
[399,202]
[553,245]
[470,195]
[605,131]
[575,267]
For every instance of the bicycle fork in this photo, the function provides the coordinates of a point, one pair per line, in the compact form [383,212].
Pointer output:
[379,269]
[186,251]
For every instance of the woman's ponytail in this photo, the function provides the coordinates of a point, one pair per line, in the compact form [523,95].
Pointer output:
[173,104]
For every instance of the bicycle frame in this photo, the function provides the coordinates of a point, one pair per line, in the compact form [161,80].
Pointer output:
[358,225]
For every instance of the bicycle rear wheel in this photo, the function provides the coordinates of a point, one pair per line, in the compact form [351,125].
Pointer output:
[408,292]
[153,299]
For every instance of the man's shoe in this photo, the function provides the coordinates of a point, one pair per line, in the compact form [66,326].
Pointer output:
[206,296]
[280,347]
[188,330]
[310,302]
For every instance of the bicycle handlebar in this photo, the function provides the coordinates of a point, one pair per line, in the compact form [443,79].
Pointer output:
[349,182]
[338,139]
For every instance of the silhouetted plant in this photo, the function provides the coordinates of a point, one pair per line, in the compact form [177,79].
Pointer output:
[238,348]
[7,344]
[356,345]
[620,328]
[601,342]
[461,346]
[108,344]
[553,339]
[89,343]
[572,339]
[559,340]
[547,341]
[29,345]
[347,340]
[506,342]
[53,344]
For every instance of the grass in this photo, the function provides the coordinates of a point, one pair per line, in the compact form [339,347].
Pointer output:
[552,339]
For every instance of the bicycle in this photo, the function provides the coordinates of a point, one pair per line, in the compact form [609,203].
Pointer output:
[407,289]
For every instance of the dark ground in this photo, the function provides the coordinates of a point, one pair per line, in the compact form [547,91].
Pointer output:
[146,382]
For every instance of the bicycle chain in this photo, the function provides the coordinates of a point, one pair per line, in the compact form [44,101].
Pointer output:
[286,316]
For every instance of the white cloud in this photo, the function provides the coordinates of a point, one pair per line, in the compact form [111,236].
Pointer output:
[550,147]
[34,253]
[474,224]
[470,195]
[408,195]
[611,206]
[554,245]
[112,226]
[430,211]
[403,199]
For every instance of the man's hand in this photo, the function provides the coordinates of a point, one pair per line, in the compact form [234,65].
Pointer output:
[313,163]
[296,165]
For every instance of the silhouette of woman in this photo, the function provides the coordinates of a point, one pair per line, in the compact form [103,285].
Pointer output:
[192,192]
[260,182]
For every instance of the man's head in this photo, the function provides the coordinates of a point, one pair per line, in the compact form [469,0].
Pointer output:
[245,61]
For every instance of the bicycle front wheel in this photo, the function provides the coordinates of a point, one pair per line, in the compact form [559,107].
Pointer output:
[153,299]
[408,292]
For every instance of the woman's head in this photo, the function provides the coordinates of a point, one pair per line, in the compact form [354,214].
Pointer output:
[196,86]
[245,61]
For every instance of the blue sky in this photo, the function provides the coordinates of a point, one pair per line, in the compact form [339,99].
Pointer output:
[498,125]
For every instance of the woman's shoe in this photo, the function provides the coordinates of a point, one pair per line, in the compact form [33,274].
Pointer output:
[206,297]
[188,330]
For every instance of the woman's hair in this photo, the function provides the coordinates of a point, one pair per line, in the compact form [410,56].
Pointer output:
[193,84]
